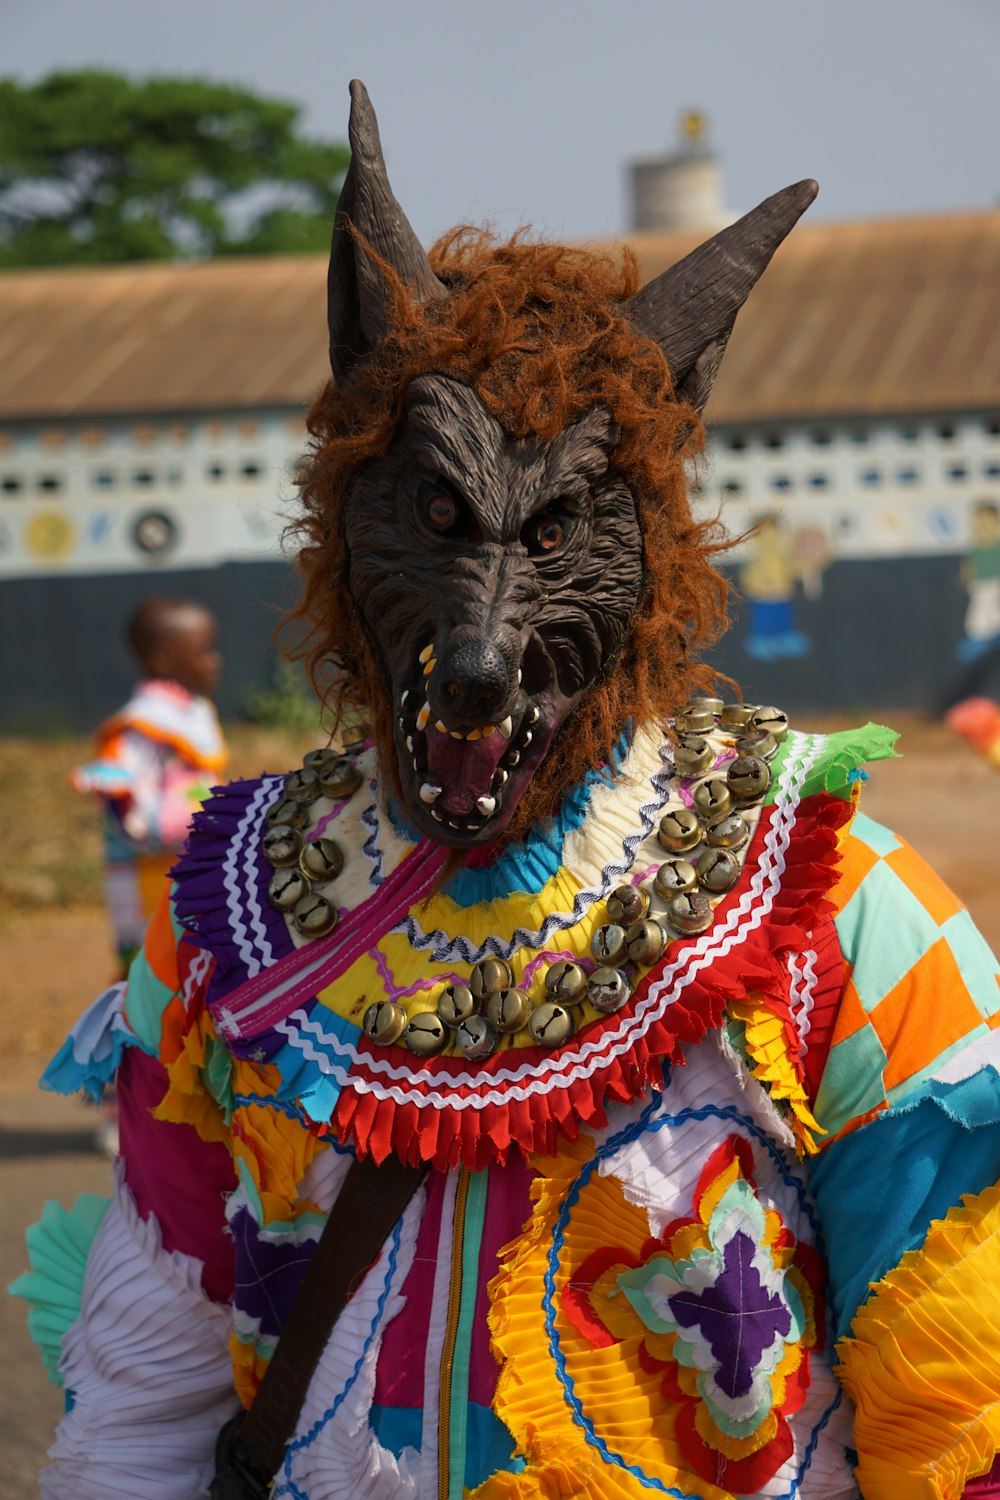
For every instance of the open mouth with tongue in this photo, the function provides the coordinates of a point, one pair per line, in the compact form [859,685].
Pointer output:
[463,782]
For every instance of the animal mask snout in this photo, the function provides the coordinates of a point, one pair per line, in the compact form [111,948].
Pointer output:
[475,676]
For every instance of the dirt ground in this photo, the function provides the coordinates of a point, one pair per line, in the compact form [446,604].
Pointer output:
[54,957]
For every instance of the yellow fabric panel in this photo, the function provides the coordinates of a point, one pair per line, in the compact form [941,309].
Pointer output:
[922,1363]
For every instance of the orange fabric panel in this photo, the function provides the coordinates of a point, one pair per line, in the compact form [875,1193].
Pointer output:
[920,879]
[927,1012]
[161,944]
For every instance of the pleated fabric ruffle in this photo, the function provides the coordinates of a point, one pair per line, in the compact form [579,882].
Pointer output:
[334,1454]
[599,1404]
[58,1247]
[148,1367]
[921,1360]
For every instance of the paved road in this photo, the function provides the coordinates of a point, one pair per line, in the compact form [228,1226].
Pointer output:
[46,1151]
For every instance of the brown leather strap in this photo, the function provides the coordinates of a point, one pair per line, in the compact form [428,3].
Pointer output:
[368,1205]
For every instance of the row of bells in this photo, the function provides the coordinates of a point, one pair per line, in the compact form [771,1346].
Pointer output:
[301,864]
[474,1017]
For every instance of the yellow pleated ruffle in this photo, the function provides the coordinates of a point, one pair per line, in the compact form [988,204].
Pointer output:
[767,1049]
[922,1363]
[276,1151]
[619,1397]
[187,1101]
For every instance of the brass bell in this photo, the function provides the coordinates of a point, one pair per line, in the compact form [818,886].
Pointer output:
[551,1024]
[608,943]
[477,1038]
[691,913]
[692,757]
[489,976]
[674,877]
[679,830]
[736,716]
[287,888]
[693,719]
[749,778]
[712,799]
[757,742]
[281,846]
[339,778]
[322,860]
[384,1022]
[772,721]
[455,1004]
[509,1010]
[566,983]
[287,811]
[325,755]
[627,904]
[714,706]
[607,989]
[314,916]
[729,833]
[302,785]
[718,870]
[426,1034]
[645,941]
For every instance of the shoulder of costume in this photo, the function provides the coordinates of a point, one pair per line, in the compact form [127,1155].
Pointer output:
[399,937]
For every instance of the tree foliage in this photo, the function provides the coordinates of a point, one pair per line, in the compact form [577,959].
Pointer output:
[95,167]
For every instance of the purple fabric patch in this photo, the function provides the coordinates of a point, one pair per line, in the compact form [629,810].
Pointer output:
[738,1316]
[268,1274]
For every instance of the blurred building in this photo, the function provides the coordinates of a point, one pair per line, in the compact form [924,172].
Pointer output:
[151,419]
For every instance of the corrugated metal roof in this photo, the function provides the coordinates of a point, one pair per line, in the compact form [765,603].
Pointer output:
[886,316]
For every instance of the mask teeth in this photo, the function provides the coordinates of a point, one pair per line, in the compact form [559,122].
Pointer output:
[430,792]
[423,716]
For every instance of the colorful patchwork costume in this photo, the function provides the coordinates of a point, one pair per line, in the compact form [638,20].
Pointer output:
[704,1063]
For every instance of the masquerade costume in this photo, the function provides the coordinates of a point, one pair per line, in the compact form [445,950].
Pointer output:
[703,1065]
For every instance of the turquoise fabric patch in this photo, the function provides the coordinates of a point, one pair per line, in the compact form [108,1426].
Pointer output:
[58,1248]
[883,930]
[943,1144]
[975,960]
[490,1446]
[88,1059]
[852,1080]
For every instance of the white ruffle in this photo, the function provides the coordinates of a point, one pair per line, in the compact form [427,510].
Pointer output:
[334,1454]
[148,1366]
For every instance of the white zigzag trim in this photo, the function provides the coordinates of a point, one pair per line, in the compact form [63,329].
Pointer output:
[803,993]
[235,900]
[567,1067]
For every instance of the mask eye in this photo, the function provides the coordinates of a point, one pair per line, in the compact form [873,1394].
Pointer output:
[549,534]
[442,512]
[546,533]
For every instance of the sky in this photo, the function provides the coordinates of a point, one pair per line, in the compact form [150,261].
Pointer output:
[527,111]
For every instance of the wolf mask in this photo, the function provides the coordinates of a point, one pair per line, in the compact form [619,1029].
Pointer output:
[499,557]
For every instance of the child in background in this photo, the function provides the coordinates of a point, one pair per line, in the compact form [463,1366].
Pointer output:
[156,759]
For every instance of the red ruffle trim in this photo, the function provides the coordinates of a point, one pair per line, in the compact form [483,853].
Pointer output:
[371,1114]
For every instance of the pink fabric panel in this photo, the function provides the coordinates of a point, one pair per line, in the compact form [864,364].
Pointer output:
[175,1175]
[399,1376]
[985,1488]
[508,1208]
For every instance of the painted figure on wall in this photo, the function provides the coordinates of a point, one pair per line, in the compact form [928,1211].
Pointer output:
[778,562]
[981,577]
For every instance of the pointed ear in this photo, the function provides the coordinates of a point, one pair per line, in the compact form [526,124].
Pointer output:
[356,292]
[691,308]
